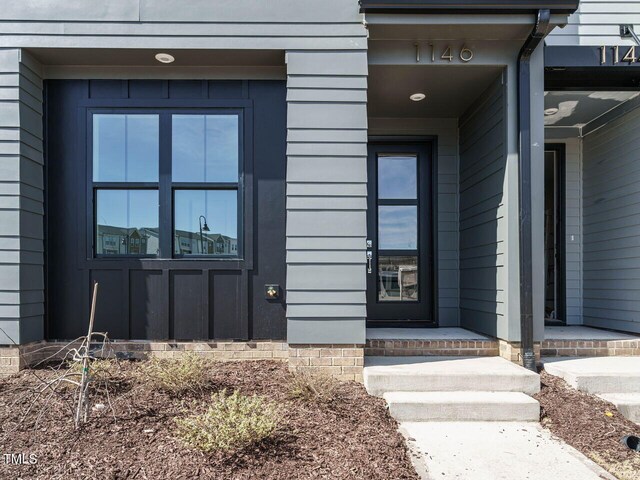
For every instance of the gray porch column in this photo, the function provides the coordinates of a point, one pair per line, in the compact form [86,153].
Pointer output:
[21,199]
[537,190]
[326,196]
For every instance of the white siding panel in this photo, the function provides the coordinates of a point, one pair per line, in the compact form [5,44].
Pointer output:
[597,23]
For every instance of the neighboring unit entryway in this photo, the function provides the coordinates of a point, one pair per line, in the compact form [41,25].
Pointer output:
[554,245]
[399,224]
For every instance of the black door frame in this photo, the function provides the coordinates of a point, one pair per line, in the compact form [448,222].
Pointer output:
[431,142]
[560,239]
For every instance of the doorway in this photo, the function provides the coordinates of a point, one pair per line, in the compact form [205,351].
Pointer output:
[400,278]
[554,234]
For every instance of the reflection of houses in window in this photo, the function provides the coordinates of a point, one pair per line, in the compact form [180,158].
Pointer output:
[224,245]
[126,241]
[145,241]
[191,243]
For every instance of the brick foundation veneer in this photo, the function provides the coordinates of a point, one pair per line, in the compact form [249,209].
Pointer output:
[13,359]
[344,362]
[590,348]
[512,351]
[399,348]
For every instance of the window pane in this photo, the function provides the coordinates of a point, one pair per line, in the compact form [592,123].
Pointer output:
[397,279]
[206,222]
[205,148]
[125,148]
[397,227]
[397,177]
[127,222]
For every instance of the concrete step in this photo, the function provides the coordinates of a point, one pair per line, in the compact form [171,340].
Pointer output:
[628,404]
[447,374]
[597,374]
[462,406]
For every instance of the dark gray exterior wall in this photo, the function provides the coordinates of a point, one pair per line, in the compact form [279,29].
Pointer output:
[326,74]
[611,225]
[166,298]
[482,212]
[21,197]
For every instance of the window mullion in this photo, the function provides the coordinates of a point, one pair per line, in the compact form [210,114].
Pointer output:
[165,194]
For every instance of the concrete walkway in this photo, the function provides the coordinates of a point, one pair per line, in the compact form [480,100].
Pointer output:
[494,451]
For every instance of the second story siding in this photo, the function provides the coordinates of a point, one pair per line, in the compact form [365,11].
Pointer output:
[597,22]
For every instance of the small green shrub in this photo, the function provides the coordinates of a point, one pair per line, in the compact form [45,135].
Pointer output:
[230,423]
[177,375]
[100,370]
[316,387]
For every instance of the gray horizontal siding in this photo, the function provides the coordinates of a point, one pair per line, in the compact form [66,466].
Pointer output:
[611,225]
[573,226]
[482,212]
[326,197]
[596,23]
[21,199]
[167,24]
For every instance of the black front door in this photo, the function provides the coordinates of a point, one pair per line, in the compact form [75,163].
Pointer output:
[399,244]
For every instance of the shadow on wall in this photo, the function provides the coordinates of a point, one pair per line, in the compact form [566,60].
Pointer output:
[482,132]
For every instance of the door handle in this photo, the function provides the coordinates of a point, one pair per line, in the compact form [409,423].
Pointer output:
[369,260]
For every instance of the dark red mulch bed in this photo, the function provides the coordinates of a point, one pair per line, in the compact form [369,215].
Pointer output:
[352,437]
[582,421]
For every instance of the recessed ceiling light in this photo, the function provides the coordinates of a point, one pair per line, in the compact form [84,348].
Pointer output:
[416,97]
[550,111]
[165,58]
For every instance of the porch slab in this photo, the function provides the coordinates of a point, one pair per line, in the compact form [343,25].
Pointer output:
[446,333]
[398,342]
[580,341]
[578,332]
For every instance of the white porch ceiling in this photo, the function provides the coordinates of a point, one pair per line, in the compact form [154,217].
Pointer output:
[577,109]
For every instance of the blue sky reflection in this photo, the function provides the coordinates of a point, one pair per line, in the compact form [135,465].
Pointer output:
[397,227]
[205,148]
[397,177]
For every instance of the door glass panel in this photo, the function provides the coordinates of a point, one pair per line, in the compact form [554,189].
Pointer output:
[205,148]
[206,222]
[398,279]
[397,177]
[397,227]
[125,148]
[127,222]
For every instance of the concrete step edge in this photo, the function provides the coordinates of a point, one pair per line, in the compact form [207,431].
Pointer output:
[458,396]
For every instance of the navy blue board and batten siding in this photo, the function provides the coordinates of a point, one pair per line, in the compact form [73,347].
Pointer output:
[168,298]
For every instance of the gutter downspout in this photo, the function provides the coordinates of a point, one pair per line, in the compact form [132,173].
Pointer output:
[538,33]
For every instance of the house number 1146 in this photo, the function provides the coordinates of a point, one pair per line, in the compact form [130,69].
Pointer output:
[447,53]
